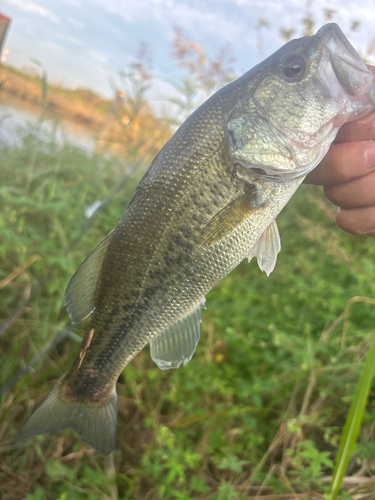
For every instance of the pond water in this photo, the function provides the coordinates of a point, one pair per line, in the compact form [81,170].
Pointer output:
[17,116]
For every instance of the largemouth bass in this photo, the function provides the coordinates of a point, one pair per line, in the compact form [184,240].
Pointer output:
[208,200]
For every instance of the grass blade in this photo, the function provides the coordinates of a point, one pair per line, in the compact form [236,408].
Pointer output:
[353,421]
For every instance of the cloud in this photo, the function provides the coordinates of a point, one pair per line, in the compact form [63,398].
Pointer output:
[74,3]
[70,39]
[74,22]
[99,57]
[169,13]
[33,8]
[53,45]
[105,34]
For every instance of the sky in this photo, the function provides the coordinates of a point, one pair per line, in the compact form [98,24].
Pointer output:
[85,43]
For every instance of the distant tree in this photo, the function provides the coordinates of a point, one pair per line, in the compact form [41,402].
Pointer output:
[287,34]
[203,75]
[328,14]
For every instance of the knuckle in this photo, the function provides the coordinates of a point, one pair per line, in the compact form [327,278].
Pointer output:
[347,223]
[331,193]
[339,164]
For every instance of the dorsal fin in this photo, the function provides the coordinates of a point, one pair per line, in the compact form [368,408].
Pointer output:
[266,248]
[177,344]
[79,294]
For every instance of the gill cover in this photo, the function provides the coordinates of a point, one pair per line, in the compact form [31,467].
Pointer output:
[301,97]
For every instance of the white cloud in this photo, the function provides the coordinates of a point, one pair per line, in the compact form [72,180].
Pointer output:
[53,45]
[99,57]
[75,3]
[211,23]
[75,22]
[70,39]
[235,21]
[33,8]
[169,13]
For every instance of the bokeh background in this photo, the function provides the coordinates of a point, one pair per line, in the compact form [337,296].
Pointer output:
[89,93]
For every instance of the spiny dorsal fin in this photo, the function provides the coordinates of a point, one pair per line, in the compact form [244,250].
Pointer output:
[79,294]
[266,248]
[177,344]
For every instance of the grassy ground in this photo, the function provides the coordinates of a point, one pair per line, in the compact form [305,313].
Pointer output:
[259,410]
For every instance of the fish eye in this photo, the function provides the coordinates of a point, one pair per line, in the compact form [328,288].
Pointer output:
[293,67]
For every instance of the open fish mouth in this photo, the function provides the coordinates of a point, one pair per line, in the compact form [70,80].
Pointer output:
[345,75]
[342,80]
[349,69]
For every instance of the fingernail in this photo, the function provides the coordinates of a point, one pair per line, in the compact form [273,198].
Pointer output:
[370,156]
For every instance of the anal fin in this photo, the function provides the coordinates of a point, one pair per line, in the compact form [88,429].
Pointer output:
[177,344]
[266,248]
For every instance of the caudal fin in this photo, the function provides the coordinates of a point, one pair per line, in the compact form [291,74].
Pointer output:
[95,423]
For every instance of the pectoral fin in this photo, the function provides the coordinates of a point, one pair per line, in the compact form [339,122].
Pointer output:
[177,344]
[266,249]
[79,294]
[229,218]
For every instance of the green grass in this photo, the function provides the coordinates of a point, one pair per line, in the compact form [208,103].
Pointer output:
[353,422]
[261,407]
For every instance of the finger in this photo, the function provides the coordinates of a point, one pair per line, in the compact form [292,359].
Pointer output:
[357,220]
[344,162]
[358,193]
[359,130]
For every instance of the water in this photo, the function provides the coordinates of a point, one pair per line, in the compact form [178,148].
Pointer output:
[15,116]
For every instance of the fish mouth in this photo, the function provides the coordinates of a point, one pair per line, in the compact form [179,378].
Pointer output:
[344,78]
[349,77]
[339,85]
[336,42]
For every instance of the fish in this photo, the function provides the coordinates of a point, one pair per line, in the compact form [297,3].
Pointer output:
[208,200]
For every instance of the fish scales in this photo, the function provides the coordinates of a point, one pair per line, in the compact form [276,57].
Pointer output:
[177,265]
[159,253]
[209,199]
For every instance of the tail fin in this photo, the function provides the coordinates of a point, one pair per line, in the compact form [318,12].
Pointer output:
[95,423]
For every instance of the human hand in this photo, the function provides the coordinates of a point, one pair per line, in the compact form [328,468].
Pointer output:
[347,173]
